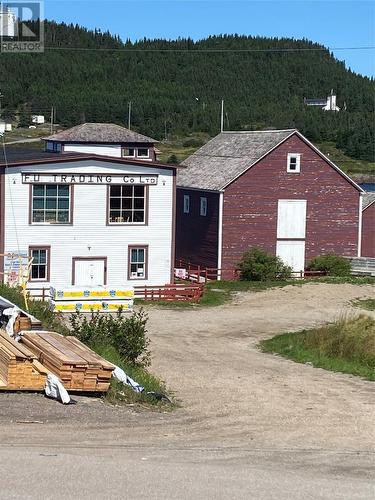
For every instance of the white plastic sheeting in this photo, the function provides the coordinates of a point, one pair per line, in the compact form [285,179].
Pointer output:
[55,389]
[12,313]
[120,375]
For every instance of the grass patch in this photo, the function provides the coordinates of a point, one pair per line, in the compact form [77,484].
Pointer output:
[368,304]
[121,394]
[347,346]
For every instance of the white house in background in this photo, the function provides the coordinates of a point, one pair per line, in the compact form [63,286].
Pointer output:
[106,139]
[38,119]
[89,220]
[8,23]
[328,104]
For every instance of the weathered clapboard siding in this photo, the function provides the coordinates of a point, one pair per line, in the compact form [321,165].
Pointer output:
[368,231]
[197,235]
[89,235]
[250,205]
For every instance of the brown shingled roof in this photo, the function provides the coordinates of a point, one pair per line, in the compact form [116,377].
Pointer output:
[99,132]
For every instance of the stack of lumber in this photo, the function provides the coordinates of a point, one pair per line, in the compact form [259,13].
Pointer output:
[78,367]
[19,367]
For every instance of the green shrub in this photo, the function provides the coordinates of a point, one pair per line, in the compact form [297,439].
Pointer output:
[173,159]
[332,264]
[126,334]
[258,265]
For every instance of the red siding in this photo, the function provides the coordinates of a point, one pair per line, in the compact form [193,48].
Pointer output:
[368,232]
[197,235]
[250,205]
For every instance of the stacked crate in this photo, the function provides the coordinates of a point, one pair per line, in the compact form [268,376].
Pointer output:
[102,299]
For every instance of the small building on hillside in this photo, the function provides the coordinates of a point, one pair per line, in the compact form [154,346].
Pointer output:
[88,220]
[328,104]
[38,119]
[368,225]
[269,189]
[106,139]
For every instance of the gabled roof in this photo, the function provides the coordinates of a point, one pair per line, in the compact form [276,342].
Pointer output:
[230,154]
[99,132]
[24,157]
[316,102]
[226,156]
[368,199]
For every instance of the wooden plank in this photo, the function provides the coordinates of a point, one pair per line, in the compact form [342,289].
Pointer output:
[56,340]
[46,347]
[106,365]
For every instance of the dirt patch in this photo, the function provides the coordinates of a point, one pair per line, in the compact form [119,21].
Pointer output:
[231,393]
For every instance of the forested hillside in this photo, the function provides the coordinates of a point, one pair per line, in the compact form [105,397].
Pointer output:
[177,86]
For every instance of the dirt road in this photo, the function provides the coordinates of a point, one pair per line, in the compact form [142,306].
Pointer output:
[231,394]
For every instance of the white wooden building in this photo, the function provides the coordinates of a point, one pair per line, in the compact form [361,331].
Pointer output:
[88,220]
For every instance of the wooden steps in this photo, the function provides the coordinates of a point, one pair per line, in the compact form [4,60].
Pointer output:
[19,367]
[77,366]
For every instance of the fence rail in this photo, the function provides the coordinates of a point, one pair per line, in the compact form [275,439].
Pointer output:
[172,292]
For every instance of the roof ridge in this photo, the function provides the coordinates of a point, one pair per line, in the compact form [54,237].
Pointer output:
[258,131]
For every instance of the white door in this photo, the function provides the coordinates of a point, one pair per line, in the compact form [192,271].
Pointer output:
[89,272]
[292,253]
[291,219]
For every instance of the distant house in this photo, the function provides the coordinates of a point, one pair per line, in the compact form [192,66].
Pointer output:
[328,104]
[105,139]
[269,189]
[368,225]
[38,119]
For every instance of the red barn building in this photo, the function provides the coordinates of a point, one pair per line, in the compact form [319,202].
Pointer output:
[269,189]
[368,226]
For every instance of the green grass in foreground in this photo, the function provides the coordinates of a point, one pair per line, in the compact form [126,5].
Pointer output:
[368,304]
[347,346]
[122,394]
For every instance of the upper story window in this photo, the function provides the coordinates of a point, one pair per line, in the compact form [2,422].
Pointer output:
[186,203]
[127,205]
[40,264]
[203,207]
[128,152]
[294,163]
[143,153]
[51,204]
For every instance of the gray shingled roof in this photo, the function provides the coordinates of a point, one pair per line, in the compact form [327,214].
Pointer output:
[99,132]
[226,156]
[368,198]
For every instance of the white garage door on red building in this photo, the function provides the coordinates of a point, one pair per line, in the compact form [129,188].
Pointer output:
[291,232]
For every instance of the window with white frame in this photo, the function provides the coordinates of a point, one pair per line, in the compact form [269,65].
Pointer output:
[294,163]
[128,152]
[51,204]
[203,206]
[138,262]
[186,203]
[143,153]
[39,266]
[127,204]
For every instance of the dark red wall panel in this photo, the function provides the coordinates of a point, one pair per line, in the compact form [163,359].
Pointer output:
[197,235]
[368,232]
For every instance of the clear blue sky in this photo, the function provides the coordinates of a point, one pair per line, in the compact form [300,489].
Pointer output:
[345,23]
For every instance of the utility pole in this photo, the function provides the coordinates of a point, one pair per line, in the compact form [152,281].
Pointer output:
[129,114]
[52,110]
[222,116]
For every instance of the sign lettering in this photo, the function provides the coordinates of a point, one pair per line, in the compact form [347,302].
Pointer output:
[87,179]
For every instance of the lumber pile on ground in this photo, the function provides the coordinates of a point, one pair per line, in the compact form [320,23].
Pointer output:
[19,367]
[78,367]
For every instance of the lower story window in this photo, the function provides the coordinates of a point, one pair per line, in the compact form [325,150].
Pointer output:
[138,262]
[39,266]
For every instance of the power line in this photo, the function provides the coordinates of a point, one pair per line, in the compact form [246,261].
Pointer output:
[208,50]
